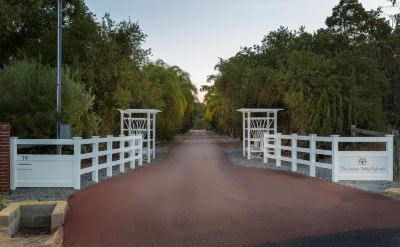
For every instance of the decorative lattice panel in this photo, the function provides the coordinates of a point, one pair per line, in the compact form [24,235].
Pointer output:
[136,126]
[258,126]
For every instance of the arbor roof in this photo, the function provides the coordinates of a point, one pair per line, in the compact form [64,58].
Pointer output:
[246,110]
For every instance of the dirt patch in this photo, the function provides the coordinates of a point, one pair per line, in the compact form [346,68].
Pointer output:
[53,240]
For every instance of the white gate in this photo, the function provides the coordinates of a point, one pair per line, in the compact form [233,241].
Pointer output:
[65,170]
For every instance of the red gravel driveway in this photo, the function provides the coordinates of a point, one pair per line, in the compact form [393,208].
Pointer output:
[196,197]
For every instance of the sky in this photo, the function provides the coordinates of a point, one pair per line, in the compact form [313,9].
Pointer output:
[194,35]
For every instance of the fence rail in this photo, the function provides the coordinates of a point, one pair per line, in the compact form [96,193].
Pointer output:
[345,165]
[65,170]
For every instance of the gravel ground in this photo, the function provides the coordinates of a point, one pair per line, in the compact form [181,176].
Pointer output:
[236,157]
[50,194]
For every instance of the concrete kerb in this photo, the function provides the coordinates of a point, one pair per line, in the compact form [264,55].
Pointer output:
[32,214]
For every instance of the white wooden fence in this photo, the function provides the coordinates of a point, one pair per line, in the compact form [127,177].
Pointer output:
[345,165]
[65,170]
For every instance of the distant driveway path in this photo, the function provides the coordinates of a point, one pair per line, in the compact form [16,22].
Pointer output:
[196,197]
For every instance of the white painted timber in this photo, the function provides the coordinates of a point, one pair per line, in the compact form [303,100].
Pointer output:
[141,122]
[55,170]
[345,165]
[256,122]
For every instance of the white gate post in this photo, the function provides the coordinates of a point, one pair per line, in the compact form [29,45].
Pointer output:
[132,152]
[335,157]
[266,141]
[148,138]
[389,153]
[244,133]
[141,150]
[278,145]
[248,135]
[122,123]
[13,161]
[77,162]
[265,151]
[154,136]
[313,145]
[95,159]
[294,152]
[109,155]
[122,154]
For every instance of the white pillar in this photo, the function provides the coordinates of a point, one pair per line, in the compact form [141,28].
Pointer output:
[389,152]
[122,122]
[141,150]
[267,143]
[154,136]
[148,139]
[122,153]
[109,156]
[244,133]
[335,157]
[95,159]
[294,152]
[131,153]
[130,128]
[313,145]
[248,135]
[278,149]
[77,162]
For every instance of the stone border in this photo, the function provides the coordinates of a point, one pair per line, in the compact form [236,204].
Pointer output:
[11,217]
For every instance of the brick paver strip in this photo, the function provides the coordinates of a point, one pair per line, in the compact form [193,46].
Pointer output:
[196,197]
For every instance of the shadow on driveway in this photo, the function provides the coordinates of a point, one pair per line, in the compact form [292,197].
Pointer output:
[370,238]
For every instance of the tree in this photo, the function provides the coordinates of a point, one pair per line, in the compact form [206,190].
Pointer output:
[27,100]
[326,81]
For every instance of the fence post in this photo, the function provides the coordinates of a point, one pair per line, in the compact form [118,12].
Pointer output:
[335,157]
[313,146]
[248,135]
[265,151]
[122,153]
[148,139]
[109,155]
[77,162]
[294,152]
[95,159]
[278,149]
[13,162]
[396,152]
[353,130]
[353,134]
[132,152]
[141,150]
[389,152]
[244,134]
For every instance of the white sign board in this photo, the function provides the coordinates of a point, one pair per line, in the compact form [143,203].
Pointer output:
[44,171]
[359,165]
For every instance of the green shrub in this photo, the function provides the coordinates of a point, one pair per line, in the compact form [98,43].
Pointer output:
[28,101]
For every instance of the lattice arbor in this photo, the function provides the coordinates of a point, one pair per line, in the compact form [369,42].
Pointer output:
[141,122]
[256,122]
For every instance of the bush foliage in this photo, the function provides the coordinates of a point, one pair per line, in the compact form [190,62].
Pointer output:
[344,74]
[28,100]
[106,68]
